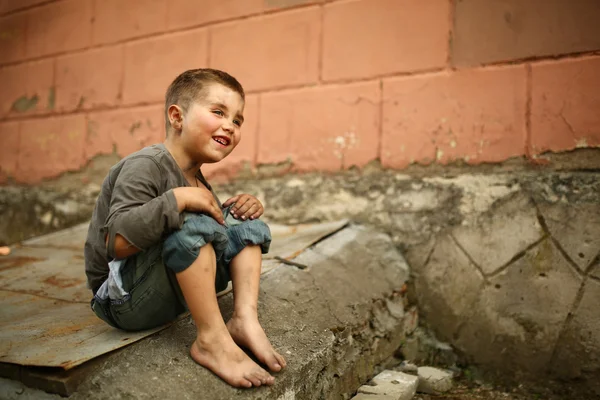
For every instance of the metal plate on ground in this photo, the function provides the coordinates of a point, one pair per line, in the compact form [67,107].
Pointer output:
[45,316]
[289,241]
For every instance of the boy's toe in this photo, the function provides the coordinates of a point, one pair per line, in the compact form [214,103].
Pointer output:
[256,381]
[280,360]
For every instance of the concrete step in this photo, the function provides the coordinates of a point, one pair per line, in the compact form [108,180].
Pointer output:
[333,321]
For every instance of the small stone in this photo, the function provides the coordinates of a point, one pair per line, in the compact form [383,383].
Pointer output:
[4,251]
[362,396]
[407,367]
[434,380]
[396,385]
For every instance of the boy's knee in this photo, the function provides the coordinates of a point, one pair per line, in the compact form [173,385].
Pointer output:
[251,232]
[182,247]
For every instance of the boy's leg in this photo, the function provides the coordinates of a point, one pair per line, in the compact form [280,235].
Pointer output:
[214,347]
[244,326]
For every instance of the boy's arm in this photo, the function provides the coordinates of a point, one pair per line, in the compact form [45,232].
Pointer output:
[138,215]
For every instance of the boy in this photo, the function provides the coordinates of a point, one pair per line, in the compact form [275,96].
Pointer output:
[160,241]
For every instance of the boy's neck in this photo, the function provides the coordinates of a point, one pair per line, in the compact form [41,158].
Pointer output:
[188,166]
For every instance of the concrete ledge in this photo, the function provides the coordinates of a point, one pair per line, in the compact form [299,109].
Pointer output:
[334,322]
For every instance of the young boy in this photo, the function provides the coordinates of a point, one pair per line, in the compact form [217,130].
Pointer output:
[160,241]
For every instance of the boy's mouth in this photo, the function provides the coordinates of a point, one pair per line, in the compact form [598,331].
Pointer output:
[222,140]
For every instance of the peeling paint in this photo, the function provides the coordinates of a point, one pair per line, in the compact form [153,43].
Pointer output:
[24,103]
[581,143]
[453,144]
[81,102]
[135,126]
[439,154]
[51,98]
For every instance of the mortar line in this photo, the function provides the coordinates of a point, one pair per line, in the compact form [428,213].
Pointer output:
[528,101]
[321,44]
[566,322]
[28,8]
[209,33]
[485,278]
[380,144]
[258,132]
[517,257]
[451,12]
[542,222]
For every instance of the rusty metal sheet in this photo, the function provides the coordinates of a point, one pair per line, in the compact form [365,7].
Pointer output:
[37,331]
[289,241]
[57,273]
[72,238]
[45,316]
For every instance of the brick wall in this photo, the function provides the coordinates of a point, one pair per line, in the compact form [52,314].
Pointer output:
[331,84]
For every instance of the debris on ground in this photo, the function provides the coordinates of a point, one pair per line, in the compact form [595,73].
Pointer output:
[433,380]
[4,250]
[392,385]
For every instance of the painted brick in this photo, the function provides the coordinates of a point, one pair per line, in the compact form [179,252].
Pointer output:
[90,79]
[279,4]
[325,128]
[565,105]
[58,27]
[116,20]
[492,31]
[13,5]
[152,64]
[27,88]
[186,13]
[472,115]
[245,152]
[12,38]
[124,131]
[270,51]
[50,147]
[371,37]
[9,151]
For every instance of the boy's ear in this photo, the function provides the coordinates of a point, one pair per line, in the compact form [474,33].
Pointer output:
[175,114]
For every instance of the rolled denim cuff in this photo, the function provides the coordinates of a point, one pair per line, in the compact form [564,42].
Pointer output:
[252,232]
[182,247]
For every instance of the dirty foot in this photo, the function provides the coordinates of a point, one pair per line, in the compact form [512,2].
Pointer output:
[247,332]
[221,355]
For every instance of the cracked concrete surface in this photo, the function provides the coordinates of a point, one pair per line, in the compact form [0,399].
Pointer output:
[505,264]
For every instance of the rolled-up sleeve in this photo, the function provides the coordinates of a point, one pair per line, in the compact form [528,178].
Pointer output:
[138,211]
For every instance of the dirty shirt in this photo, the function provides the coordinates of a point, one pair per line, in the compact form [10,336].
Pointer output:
[137,202]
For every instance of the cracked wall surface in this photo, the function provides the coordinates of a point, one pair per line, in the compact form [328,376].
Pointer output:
[504,264]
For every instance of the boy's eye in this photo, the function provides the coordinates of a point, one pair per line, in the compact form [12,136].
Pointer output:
[218,112]
[237,122]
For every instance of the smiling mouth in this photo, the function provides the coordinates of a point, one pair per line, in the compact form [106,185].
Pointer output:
[223,141]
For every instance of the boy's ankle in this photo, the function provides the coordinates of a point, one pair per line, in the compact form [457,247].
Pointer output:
[246,312]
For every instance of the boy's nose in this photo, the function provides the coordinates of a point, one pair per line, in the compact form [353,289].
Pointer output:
[228,126]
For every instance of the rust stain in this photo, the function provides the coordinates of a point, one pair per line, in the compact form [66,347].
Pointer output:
[16,262]
[62,283]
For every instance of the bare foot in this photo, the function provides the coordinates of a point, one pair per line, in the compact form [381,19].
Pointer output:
[247,332]
[221,355]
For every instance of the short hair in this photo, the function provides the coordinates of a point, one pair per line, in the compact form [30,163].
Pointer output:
[191,84]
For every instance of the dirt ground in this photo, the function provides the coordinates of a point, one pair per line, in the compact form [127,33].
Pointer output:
[467,389]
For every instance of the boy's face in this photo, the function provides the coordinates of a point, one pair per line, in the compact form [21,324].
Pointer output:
[211,126]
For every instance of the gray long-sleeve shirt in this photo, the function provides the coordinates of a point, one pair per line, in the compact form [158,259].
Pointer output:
[137,202]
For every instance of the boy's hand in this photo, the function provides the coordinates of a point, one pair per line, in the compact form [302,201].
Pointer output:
[245,206]
[198,199]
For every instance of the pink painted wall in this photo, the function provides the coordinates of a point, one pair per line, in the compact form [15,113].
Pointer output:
[331,84]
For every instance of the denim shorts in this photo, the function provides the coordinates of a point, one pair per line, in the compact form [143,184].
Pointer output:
[154,297]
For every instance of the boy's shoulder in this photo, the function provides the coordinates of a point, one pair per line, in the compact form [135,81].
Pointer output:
[157,153]
[153,162]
